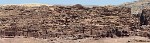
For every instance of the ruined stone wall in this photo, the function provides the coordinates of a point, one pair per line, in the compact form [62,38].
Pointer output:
[70,21]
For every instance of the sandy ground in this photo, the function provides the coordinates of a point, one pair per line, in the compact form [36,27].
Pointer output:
[133,39]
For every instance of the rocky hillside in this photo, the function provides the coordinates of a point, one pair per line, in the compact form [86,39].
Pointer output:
[137,5]
[74,21]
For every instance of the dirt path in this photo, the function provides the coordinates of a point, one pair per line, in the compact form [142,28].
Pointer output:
[133,39]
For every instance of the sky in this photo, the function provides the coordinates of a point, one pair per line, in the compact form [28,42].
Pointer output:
[67,2]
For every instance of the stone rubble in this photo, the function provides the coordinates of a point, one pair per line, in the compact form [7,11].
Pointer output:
[75,22]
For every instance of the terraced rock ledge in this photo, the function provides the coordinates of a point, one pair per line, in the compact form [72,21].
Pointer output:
[70,22]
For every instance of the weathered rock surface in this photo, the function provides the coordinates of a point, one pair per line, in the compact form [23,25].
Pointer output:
[75,22]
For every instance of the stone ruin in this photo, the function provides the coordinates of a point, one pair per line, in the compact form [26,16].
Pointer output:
[69,21]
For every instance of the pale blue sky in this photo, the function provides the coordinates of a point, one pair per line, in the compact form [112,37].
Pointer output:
[66,2]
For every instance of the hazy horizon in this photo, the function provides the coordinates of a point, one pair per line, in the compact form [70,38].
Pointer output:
[67,2]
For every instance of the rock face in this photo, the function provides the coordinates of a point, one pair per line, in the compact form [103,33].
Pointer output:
[137,6]
[69,21]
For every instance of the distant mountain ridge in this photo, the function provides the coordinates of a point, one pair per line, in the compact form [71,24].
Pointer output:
[28,5]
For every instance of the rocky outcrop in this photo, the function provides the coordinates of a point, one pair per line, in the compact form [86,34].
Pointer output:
[69,21]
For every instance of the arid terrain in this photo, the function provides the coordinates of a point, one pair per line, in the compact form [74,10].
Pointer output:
[132,39]
[40,23]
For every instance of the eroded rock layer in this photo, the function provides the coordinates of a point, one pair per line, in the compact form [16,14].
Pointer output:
[69,21]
